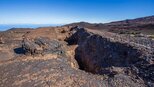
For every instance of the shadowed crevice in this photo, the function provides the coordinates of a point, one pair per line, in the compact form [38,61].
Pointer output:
[99,55]
[19,50]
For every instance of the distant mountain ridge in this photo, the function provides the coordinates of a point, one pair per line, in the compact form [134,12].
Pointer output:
[142,20]
[143,24]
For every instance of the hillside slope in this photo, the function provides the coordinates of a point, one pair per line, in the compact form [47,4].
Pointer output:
[143,25]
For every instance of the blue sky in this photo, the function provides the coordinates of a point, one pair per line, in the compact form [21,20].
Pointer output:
[67,11]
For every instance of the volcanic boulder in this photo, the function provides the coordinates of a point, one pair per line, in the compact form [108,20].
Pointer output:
[41,45]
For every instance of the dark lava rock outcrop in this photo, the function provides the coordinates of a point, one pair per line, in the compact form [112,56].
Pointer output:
[42,46]
[99,55]
[70,57]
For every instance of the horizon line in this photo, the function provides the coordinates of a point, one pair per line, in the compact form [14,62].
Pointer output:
[72,22]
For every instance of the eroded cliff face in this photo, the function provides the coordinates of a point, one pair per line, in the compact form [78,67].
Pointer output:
[95,52]
[99,55]
[73,57]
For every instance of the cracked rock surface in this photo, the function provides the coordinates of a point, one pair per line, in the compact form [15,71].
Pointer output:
[69,57]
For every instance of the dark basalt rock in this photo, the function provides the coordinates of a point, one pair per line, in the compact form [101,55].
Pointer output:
[41,45]
[79,35]
[97,55]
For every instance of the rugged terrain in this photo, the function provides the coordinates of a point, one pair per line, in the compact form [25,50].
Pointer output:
[72,56]
[143,25]
[66,56]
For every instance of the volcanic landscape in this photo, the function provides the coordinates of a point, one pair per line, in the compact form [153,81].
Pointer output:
[116,54]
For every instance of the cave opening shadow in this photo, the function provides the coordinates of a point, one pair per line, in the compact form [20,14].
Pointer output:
[19,50]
